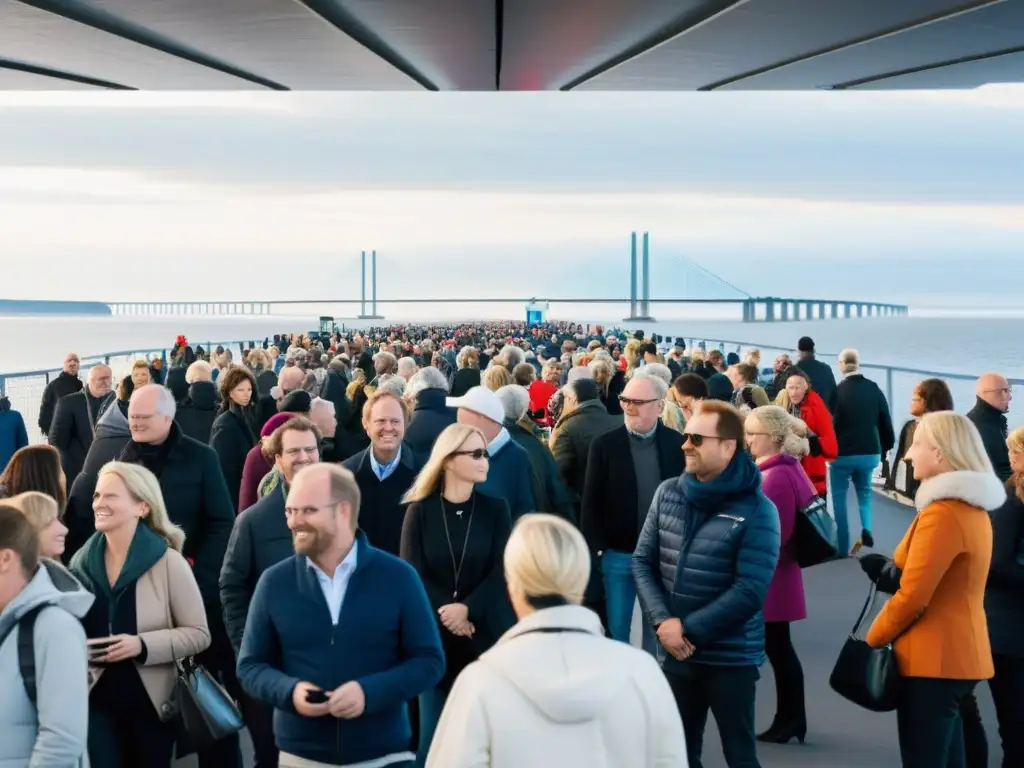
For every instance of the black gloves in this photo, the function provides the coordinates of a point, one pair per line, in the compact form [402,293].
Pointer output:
[882,571]
[815,444]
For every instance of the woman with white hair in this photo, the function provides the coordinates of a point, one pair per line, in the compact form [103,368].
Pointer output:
[935,620]
[148,614]
[454,536]
[864,435]
[555,691]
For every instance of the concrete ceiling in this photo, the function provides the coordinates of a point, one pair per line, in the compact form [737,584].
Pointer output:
[527,45]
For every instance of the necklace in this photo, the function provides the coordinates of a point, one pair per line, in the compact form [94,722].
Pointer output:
[457,569]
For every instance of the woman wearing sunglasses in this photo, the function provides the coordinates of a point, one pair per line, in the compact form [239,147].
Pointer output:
[455,538]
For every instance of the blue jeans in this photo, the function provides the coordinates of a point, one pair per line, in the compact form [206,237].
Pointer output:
[431,705]
[619,592]
[858,469]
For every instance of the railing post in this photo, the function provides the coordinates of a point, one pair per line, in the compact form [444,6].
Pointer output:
[888,386]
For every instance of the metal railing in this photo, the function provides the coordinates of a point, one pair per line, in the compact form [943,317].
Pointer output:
[25,388]
[897,383]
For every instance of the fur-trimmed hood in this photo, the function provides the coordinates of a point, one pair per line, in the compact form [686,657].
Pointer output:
[979,489]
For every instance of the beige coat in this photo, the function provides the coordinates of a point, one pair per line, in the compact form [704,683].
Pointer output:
[171,622]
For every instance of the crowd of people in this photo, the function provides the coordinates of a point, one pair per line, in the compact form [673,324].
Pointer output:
[423,545]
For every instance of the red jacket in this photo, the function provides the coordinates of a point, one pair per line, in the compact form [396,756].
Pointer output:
[540,395]
[819,421]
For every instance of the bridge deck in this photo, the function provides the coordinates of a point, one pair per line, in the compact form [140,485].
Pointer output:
[840,735]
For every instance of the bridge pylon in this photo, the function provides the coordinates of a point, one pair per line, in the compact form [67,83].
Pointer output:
[643,313]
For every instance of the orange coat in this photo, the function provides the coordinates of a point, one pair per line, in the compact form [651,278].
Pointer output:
[936,620]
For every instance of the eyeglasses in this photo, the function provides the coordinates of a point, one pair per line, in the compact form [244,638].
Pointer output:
[633,401]
[1001,391]
[698,440]
[476,454]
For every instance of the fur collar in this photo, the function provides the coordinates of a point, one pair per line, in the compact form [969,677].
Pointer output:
[979,489]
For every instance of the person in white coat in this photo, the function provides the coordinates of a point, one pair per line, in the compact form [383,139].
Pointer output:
[554,690]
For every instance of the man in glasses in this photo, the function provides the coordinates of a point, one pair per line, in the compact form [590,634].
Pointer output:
[989,416]
[702,565]
[624,468]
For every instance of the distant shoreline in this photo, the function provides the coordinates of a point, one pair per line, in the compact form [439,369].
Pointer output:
[18,307]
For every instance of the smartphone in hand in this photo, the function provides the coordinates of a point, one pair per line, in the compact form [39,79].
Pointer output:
[316,697]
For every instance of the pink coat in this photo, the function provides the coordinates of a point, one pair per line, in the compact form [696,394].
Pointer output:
[788,487]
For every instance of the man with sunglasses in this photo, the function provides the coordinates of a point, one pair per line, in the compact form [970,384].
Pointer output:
[624,469]
[702,565]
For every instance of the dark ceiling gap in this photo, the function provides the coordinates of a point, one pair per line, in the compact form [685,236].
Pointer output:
[58,74]
[971,7]
[111,24]
[499,40]
[927,67]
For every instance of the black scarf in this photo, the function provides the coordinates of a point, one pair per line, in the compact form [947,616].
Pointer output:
[152,457]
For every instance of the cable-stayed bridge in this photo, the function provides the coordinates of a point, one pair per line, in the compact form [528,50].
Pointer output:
[703,287]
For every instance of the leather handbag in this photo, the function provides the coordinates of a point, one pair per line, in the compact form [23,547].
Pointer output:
[864,675]
[205,711]
[815,534]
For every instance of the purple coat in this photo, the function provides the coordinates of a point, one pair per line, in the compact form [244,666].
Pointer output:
[786,484]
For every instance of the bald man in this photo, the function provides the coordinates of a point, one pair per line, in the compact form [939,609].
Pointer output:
[74,421]
[289,380]
[989,416]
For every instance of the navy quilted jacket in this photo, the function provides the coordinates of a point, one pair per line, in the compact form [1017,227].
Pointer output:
[706,556]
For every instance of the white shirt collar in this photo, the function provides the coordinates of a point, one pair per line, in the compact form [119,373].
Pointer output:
[499,442]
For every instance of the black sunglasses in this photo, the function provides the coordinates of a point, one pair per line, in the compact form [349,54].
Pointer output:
[633,401]
[476,453]
[698,440]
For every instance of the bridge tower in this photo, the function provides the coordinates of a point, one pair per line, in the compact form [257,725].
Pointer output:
[643,313]
[373,288]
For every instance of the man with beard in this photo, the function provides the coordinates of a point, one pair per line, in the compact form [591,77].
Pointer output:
[259,540]
[340,688]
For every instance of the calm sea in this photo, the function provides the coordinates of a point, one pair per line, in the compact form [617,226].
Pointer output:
[963,344]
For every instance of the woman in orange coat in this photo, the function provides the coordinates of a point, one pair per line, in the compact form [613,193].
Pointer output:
[935,621]
[803,402]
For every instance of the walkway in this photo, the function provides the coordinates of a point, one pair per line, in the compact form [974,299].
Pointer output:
[840,734]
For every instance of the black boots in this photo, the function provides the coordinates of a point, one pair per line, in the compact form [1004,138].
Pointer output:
[782,732]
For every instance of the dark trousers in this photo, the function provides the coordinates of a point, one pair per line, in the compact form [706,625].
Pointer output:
[928,720]
[789,675]
[729,693]
[136,739]
[219,660]
[975,740]
[259,719]
[1007,688]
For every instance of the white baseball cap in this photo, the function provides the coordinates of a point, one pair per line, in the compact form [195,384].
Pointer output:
[480,400]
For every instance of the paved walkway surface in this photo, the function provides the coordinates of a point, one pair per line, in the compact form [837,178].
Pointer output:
[840,734]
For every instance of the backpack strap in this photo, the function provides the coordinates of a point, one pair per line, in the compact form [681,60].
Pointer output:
[27,651]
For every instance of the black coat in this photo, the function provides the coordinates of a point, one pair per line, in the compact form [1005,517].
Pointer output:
[481,583]
[64,384]
[465,380]
[197,501]
[195,416]
[1004,596]
[861,418]
[266,381]
[381,511]
[232,439]
[259,540]
[429,419]
[549,492]
[991,424]
[73,429]
[609,515]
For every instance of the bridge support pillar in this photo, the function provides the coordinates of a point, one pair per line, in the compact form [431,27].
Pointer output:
[769,311]
[809,311]
[860,310]
[835,310]
[785,312]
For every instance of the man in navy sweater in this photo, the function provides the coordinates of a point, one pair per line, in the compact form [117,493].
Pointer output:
[339,636]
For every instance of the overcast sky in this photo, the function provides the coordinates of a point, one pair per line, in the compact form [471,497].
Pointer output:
[912,196]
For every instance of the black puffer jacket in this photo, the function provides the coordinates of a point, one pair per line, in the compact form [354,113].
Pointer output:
[429,419]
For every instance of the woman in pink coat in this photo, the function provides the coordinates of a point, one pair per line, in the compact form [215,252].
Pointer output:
[257,465]
[778,441]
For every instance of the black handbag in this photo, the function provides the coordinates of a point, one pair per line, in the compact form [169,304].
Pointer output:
[864,675]
[205,711]
[815,534]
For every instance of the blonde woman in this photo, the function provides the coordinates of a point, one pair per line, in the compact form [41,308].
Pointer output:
[148,614]
[496,377]
[454,537]
[554,690]
[778,441]
[42,511]
[935,620]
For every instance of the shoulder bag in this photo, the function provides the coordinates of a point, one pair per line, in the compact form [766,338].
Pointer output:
[864,675]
